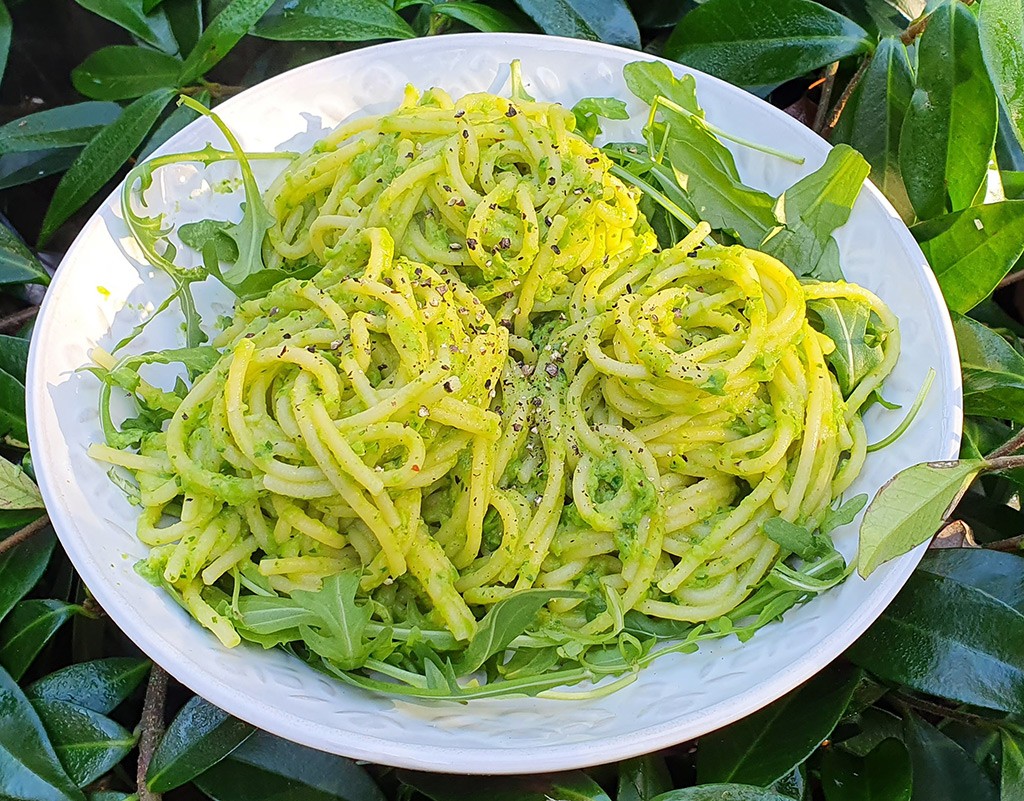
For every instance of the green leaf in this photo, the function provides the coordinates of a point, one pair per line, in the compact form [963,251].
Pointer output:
[186,20]
[6,28]
[340,631]
[909,509]
[847,323]
[570,786]
[643,778]
[993,372]
[992,572]
[942,770]
[17,490]
[505,621]
[873,118]
[1013,184]
[198,235]
[21,567]
[756,44]
[1001,25]
[1012,778]
[950,127]
[812,209]
[722,792]
[765,746]
[970,251]
[29,767]
[267,768]
[119,72]
[14,357]
[12,409]
[271,614]
[589,110]
[102,158]
[222,34]
[883,775]
[87,743]
[200,736]
[151,28]
[650,79]
[100,685]
[483,18]
[608,21]
[334,21]
[65,126]
[18,264]
[949,639]
[17,169]
[796,539]
[28,628]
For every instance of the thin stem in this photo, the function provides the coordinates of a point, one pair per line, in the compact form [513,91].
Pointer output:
[844,98]
[1004,463]
[1009,545]
[12,322]
[932,708]
[826,97]
[1015,443]
[915,29]
[24,534]
[1011,279]
[152,729]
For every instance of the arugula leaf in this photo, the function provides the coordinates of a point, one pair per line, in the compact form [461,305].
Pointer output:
[198,235]
[858,347]
[271,615]
[505,621]
[843,515]
[339,633]
[651,79]
[797,539]
[588,110]
[812,209]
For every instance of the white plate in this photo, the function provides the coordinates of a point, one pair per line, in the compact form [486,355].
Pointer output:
[96,299]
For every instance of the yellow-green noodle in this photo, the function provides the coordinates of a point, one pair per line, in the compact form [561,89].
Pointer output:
[498,382]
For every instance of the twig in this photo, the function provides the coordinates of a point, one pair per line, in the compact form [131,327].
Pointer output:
[844,98]
[826,96]
[1011,279]
[13,322]
[152,729]
[904,700]
[24,534]
[914,30]
[1015,443]
[1009,545]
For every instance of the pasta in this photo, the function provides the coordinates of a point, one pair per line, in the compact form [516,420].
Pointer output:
[497,382]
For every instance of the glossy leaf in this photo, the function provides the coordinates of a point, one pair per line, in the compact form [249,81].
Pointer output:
[119,72]
[812,209]
[27,630]
[222,34]
[883,775]
[949,639]
[176,121]
[12,408]
[65,126]
[993,371]
[18,264]
[17,490]
[971,251]
[13,360]
[151,28]
[6,29]
[102,158]
[873,118]
[481,17]
[754,43]
[722,792]
[267,768]
[942,770]
[608,21]
[643,778]
[17,169]
[1012,774]
[100,685]
[332,21]
[29,767]
[909,509]
[186,21]
[21,567]
[200,736]
[87,743]
[1002,41]
[993,573]
[950,127]
[570,786]
[764,747]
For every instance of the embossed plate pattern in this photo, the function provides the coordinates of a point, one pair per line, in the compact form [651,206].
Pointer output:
[102,290]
